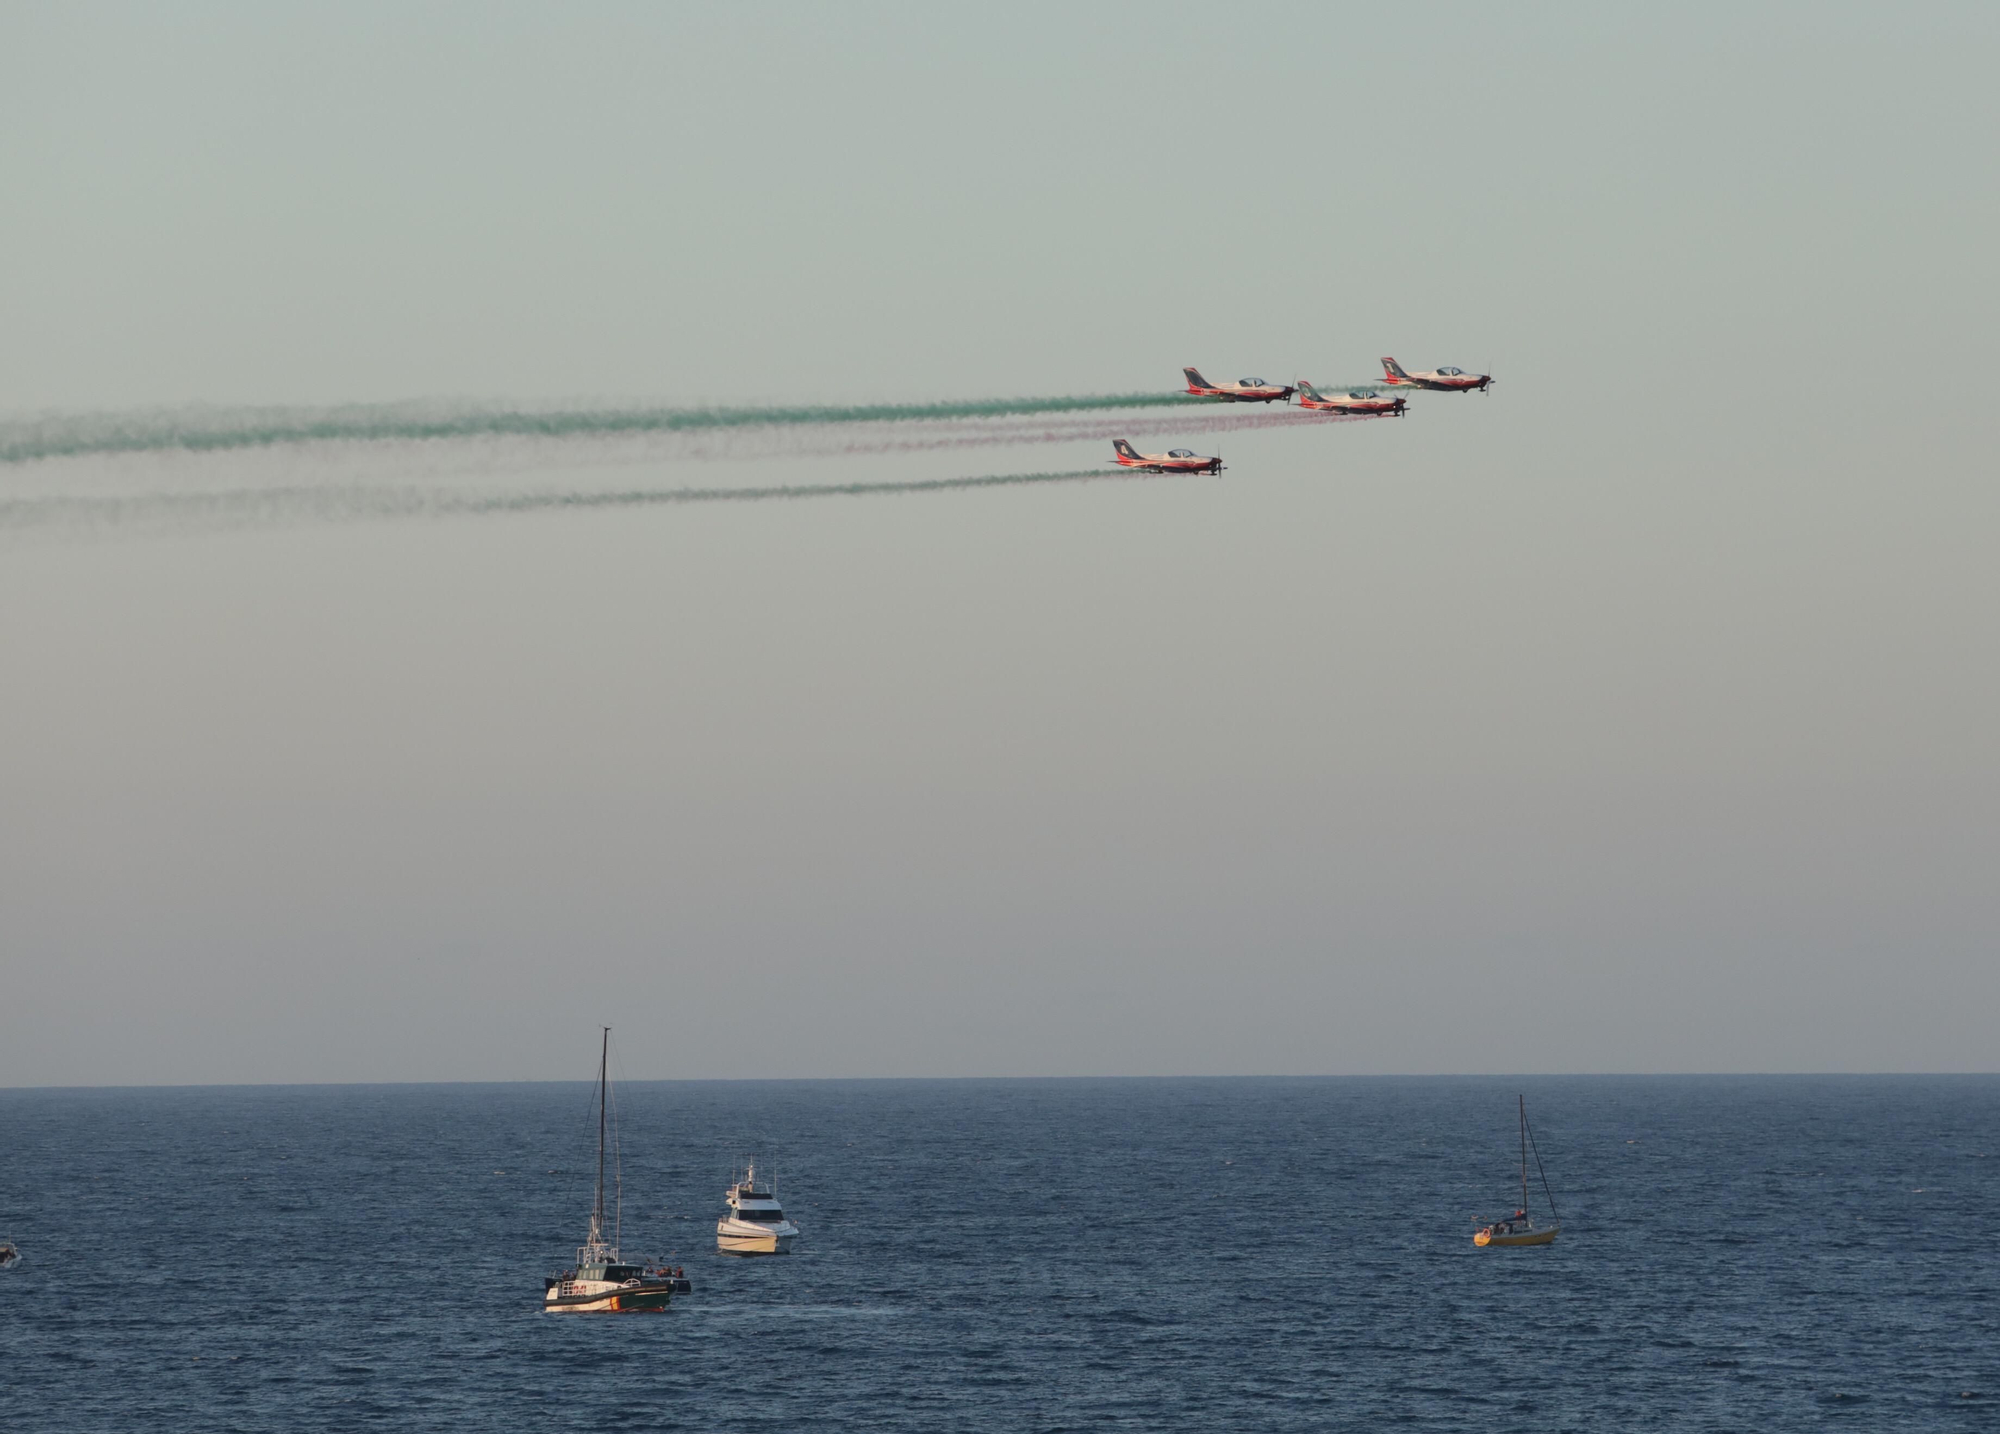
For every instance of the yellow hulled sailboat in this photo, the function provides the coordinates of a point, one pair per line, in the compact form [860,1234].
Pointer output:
[1520,1228]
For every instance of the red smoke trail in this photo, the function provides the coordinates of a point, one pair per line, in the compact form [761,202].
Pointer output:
[999,434]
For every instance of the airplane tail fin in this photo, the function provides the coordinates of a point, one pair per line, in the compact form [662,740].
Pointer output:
[1195,380]
[1393,369]
[1123,448]
[1306,390]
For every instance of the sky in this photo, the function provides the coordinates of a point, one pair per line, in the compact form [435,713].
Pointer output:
[1636,716]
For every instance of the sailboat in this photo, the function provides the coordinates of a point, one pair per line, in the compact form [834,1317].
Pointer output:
[1520,1227]
[601,1282]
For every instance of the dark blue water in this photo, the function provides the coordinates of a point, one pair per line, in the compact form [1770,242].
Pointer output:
[1767,1253]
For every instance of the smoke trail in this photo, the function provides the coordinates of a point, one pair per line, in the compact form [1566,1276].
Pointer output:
[949,436]
[345,503]
[207,430]
[643,497]
[863,439]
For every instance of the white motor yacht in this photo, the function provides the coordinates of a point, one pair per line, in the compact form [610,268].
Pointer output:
[756,1223]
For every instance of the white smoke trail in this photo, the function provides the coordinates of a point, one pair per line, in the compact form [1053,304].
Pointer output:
[348,503]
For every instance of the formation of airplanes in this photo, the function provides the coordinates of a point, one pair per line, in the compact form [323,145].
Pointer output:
[1363,401]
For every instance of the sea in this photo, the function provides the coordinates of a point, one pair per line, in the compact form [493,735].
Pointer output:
[1738,1253]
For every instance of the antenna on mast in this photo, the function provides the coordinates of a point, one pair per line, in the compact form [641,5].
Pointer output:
[603,1073]
[1524,1150]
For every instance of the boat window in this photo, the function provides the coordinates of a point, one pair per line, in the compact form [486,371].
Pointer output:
[620,1272]
[762,1217]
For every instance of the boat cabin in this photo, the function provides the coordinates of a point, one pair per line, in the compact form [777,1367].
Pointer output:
[1515,1224]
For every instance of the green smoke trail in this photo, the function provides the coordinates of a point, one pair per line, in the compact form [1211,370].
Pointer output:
[334,503]
[639,497]
[208,430]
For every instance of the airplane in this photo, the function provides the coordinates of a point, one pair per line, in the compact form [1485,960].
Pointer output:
[1174,460]
[1244,390]
[1358,400]
[1444,380]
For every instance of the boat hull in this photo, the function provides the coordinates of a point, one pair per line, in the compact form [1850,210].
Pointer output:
[646,1299]
[1526,1237]
[762,1243]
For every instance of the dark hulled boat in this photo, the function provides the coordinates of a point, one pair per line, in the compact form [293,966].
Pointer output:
[601,1282]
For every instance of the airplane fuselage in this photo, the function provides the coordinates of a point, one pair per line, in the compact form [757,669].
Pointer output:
[1178,460]
[1363,406]
[1240,395]
[1244,390]
[1464,383]
[1160,463]
[1437,380]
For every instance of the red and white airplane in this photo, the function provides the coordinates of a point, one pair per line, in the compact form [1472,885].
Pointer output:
[1244,390]
[1174,460]
[1358,400]
[1444,380]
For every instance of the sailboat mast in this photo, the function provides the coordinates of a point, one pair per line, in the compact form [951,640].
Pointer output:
[603,1071]
[1524,1150]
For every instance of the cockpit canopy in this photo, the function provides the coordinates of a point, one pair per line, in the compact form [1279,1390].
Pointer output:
[1359,393]
[1250,382]
[1182,453]
[1452,372]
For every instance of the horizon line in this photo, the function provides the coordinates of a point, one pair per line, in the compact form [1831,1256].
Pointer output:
[938,1079]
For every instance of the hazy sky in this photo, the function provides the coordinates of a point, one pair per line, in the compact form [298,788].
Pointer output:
[1638,716]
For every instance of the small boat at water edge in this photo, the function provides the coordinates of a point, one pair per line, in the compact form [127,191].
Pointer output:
[756,1223]
[1520,1227]
[601,1281]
